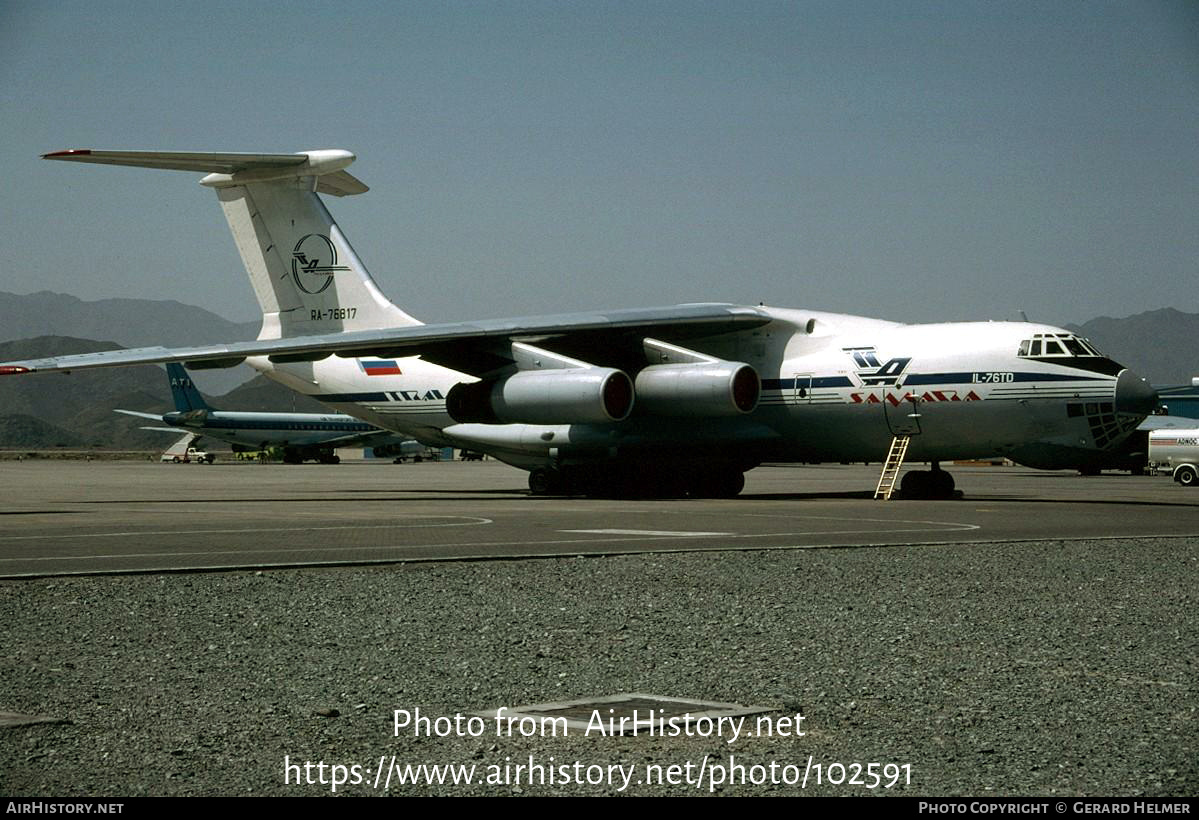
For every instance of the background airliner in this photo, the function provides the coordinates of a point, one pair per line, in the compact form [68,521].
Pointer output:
[301,436]
[680,399]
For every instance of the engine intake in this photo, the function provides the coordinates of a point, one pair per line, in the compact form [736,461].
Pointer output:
[593,395]
[706,389]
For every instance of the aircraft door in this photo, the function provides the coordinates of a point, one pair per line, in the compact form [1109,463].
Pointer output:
[902,411]
[802,391]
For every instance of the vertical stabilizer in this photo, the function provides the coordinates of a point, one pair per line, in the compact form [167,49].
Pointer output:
[183,390]
[305,274]
[307,278]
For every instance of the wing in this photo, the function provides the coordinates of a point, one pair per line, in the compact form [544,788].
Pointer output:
[372,439]
[605,338]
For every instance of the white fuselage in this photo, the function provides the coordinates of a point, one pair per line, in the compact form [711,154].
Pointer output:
[271,429]
[698,392]
[834,388]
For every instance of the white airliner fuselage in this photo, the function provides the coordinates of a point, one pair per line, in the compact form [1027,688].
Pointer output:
[300,436]
[676,399]
[834,388]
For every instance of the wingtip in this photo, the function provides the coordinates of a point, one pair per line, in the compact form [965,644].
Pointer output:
[13,370]
[75,152]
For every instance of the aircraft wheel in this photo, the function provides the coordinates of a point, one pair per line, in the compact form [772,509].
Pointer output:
[671,486]
[927,484]
[655,484]
[618,484]
[942,484]
[914,484]
[1187,477]
[720,484]
[545,481]
[731,484]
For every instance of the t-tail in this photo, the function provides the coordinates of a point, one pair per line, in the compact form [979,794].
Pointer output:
[183,389]
[306,276]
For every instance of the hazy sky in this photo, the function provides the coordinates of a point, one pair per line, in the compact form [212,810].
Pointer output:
[912,161]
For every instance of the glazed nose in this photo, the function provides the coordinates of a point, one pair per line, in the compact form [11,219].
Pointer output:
[1134,396]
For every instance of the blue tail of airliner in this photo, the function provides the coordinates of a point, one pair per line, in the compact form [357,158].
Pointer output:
[187,397]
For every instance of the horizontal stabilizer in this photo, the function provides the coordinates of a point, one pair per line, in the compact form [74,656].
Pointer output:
[206,161]
[155,416]
[228,169]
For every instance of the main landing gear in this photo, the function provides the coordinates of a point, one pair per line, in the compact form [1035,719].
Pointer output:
[712,482]
[928,484]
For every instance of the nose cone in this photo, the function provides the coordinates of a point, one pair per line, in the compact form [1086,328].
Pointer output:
[1134,396]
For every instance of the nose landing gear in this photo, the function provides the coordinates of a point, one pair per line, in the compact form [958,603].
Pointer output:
[928,484]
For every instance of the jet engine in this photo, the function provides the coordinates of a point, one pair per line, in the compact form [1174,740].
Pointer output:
[591,395]
[703,389]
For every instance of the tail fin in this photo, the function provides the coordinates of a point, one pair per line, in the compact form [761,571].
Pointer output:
[307,278]
[187,397]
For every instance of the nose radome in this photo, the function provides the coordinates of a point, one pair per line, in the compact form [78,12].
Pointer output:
[1134,396]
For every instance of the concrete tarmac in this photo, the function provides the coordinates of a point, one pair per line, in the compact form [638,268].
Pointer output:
[99,517]
[1040,636]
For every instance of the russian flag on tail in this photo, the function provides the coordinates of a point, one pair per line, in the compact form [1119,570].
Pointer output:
[380,367]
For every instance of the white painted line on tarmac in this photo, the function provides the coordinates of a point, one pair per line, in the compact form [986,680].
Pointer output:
[523,554]
[407,523]
[669,533]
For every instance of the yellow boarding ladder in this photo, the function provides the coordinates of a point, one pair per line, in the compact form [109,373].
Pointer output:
[886,481]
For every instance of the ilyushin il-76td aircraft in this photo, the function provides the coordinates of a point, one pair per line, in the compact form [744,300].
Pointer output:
[675,400]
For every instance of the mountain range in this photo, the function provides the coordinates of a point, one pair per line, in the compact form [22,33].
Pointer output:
[129,323]
[1161,345]
[76,410]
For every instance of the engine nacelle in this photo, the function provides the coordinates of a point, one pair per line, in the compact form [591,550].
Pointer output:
[698,390]
[591,395]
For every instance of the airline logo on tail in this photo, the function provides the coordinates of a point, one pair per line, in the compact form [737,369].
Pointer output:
[313,263]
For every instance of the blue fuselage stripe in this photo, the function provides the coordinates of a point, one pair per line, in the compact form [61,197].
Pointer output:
[926,379]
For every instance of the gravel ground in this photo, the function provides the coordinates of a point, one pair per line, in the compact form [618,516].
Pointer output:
[1050,668]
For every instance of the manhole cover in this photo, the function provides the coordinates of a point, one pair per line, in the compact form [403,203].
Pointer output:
[10,719]
[627,714]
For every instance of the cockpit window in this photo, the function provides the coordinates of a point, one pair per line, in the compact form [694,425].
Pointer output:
[1057,344]
[1075,347]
